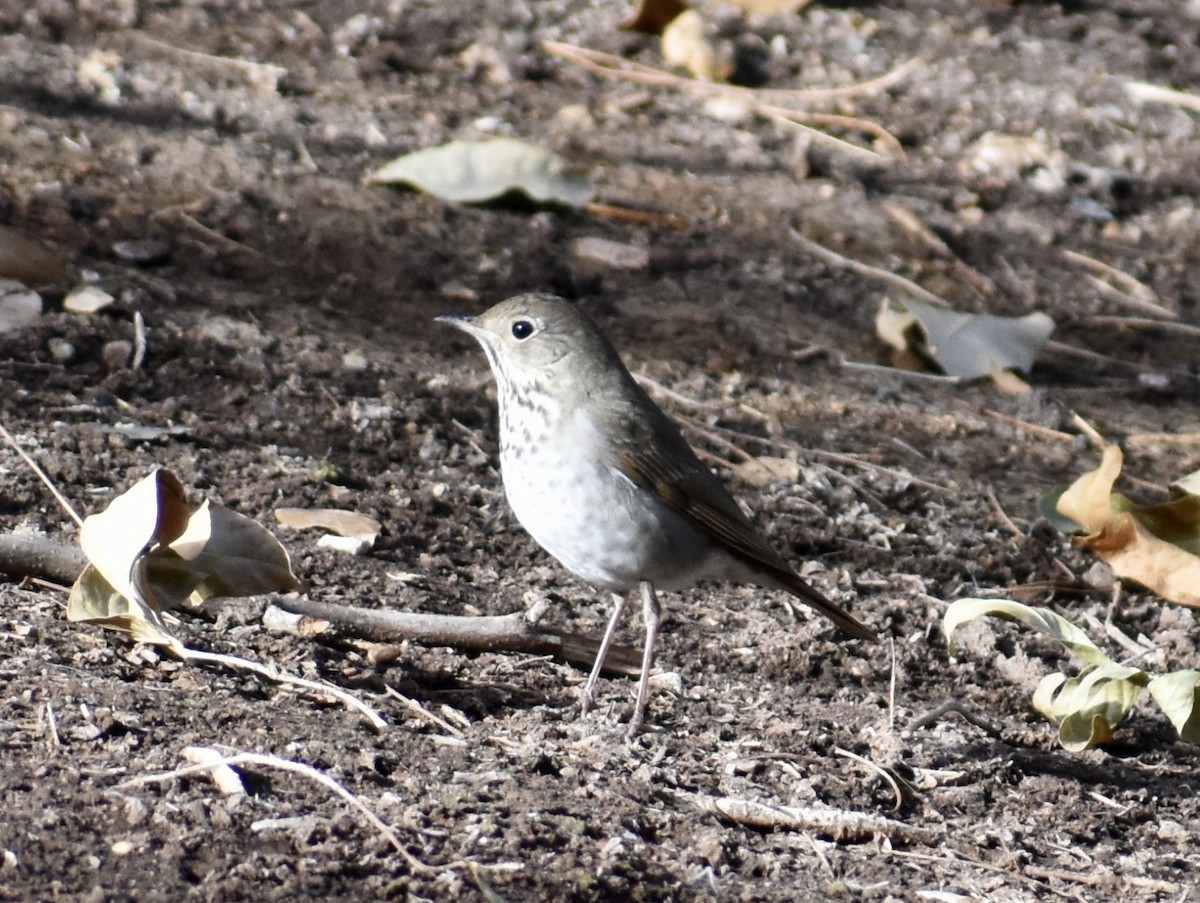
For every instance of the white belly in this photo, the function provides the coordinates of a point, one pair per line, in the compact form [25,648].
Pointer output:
[594,520]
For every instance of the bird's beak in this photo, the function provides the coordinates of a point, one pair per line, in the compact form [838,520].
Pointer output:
[466,324]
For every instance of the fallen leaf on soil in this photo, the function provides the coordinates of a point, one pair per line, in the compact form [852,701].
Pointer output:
[28,259]
[652,16]
[686,43]
[1086,708]
[476,171]
[344,523]
[1155,546]
[964,345]
[19,306]
[1178,695]
[149,553]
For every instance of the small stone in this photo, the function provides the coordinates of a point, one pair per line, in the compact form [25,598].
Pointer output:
[86,299]
[117,354]
[61,351]
[144,251]
[611,253]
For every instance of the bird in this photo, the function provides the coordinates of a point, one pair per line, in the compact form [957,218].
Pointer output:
[604,480]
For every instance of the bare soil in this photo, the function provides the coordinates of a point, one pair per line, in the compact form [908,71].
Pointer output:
[292,360]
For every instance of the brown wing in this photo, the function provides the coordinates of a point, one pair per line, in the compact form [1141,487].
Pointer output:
[669,470]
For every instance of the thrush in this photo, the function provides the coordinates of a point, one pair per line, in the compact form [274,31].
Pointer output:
[605,482]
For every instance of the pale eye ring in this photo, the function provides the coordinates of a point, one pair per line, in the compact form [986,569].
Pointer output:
[522,329]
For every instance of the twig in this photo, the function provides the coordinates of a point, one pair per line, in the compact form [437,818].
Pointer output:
[1090,431]
[421,712]
[270,672]
[1128,290]
[1024,425]
[1004,518]
[1186,329]
[878,769]
[1148,93]
[625,214]
[1163,439]
[264,76]
[607,65]
[763,102]
[694,403]
[840,824]
[38,555]
[319,777]
[959,708]
[516,632]
[855,266]
[223,240]
[41,475]
[798,121]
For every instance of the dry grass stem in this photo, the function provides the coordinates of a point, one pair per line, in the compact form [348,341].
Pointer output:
[780,105]
[1126,290]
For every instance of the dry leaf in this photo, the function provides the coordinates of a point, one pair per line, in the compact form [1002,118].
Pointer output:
[968,346]
[28,260]
[476,171]
[1120,533]
[686,43]
[652,16]
[149,553]
[344,523]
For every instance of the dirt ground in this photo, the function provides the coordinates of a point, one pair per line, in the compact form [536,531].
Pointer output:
[292,360]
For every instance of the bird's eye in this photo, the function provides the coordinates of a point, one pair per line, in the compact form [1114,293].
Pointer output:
[522,329]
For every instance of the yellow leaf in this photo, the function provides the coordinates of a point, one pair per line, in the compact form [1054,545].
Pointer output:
[1088,501]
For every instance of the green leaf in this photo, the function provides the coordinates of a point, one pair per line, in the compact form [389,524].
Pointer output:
[1044,621]
[475,171]
[1178,695]
[1088,708]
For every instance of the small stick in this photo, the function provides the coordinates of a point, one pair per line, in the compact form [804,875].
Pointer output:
[841,824]
[1148,93]
[41,475]
[1024,425]
[1186,329]
[855,266]
[307,771]
[1004,518]
[515,632]
[1131,291]
[627,215]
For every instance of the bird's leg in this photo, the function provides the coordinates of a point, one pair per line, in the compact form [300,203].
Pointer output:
[652,615]
[589,689]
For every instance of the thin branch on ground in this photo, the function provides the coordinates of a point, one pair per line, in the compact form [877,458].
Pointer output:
[319,777]
[783,106]
[270,672]
[956,707]
[887,776]
[1123,289]
[1003,515]
[840,824]
[1148,93]
[517,632]
[41,475]
[1185,329]
[1044,432]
